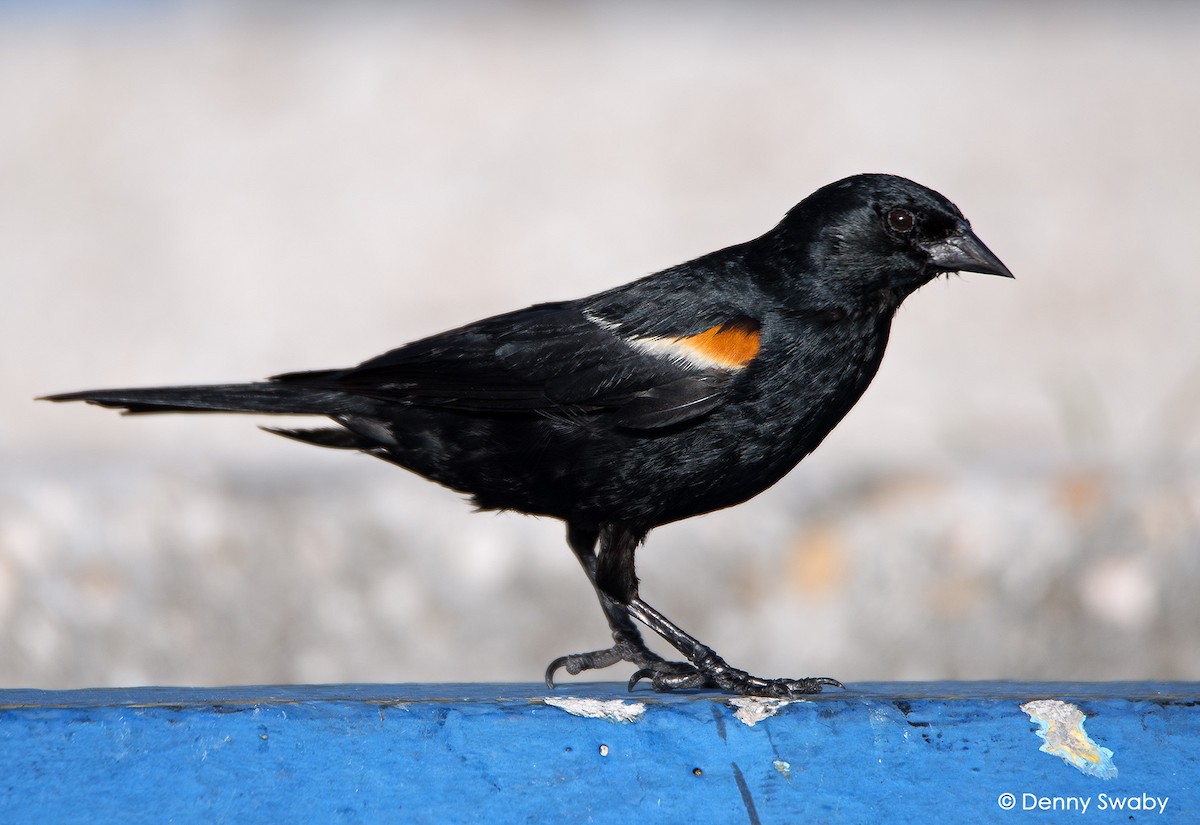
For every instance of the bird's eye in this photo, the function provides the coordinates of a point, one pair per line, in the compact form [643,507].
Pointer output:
[900,220]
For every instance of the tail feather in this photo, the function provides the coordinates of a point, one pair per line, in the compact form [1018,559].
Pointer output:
[333,437]
[261,397]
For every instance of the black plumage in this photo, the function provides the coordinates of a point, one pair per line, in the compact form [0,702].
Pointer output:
[684,392]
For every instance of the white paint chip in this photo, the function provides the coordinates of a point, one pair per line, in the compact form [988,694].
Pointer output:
[750,710]
[613,710]
[1062,734]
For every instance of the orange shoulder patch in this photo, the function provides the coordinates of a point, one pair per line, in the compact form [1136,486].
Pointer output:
[732,345]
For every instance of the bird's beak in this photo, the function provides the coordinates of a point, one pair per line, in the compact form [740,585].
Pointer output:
[964,252]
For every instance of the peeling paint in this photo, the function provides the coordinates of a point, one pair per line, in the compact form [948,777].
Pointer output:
[1063,736]
[784,768]
[613,710]
[750,710]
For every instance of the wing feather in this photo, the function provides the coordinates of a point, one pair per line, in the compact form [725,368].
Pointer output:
[556,359]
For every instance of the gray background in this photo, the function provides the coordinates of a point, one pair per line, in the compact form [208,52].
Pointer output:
[198,192]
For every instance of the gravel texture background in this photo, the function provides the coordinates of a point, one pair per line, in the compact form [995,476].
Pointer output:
[214,191]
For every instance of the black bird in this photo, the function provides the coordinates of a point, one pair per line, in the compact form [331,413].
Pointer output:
[683,392]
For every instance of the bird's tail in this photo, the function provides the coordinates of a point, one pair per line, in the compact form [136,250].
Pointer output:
[261,397]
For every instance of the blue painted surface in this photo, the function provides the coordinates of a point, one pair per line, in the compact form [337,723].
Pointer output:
[904,752]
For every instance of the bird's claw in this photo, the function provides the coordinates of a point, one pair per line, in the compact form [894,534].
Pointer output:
[783,688]
[713,672]
[576,663]
[710,672]
[623,651]
[685,677]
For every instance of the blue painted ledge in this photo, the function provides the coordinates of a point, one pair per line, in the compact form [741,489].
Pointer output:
[877,752]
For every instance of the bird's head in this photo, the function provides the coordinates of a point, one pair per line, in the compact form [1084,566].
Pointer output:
[874,239]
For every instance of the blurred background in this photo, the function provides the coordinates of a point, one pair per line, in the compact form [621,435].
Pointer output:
[217,191]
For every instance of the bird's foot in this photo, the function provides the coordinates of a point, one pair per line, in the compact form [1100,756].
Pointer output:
[711,671]
[624,650]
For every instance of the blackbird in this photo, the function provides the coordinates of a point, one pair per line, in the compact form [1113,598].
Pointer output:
[681,393]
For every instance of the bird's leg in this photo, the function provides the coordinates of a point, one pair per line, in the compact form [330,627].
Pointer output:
[613,575]
[709,669]
[628,643]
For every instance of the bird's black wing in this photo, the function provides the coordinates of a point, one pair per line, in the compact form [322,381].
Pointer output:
[556,359]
